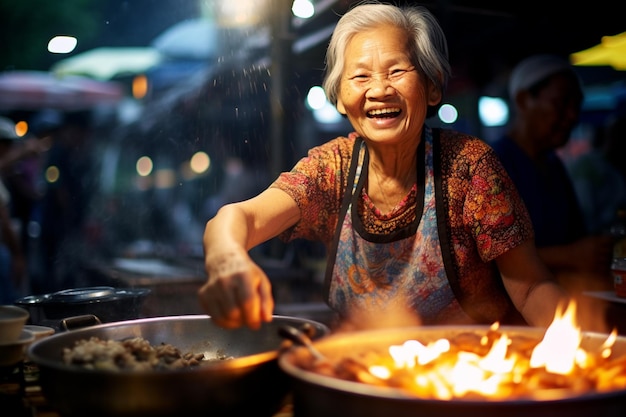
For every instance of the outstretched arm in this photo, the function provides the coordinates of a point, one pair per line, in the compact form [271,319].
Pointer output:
[237,291]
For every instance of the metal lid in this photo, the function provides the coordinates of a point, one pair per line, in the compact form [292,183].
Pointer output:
[74,295]
[83,295]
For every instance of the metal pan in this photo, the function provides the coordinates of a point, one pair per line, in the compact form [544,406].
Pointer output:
[251,380]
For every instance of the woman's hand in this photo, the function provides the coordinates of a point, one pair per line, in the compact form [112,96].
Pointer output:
[237,291]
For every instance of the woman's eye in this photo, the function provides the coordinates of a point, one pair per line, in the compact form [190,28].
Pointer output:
[397,73]
[360,78]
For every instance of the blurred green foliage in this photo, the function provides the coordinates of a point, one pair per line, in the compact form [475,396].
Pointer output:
[26,26]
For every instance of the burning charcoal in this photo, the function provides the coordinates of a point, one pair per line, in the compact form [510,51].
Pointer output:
[469,342]
[494,356]
[357,371]
[523,346]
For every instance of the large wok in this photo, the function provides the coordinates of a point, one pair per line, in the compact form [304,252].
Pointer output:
[251,380]
[317,395]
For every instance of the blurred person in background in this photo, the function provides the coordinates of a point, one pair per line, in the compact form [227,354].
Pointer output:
[13,261]
[25,181]
[546,96]
[615,145]
[64,204]
[599,175]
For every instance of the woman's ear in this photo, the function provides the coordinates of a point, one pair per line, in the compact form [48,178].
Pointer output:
[434,95]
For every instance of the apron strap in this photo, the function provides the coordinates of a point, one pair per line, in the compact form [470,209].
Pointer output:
[347,195]
[445,239]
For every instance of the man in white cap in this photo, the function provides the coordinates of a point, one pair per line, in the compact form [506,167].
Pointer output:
[546,96]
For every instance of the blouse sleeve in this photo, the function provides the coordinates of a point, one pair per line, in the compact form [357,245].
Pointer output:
[493,208]
[316,183]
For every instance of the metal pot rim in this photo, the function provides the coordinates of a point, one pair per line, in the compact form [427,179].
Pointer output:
[214,366]
[288,362]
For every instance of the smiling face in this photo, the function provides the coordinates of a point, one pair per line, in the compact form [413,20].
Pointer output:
[381,91]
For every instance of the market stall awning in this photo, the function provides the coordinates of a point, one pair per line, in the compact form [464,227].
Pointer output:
[109,62]
[34,90]
[190,39]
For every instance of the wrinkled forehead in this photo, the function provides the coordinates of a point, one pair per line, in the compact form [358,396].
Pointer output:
[382,45]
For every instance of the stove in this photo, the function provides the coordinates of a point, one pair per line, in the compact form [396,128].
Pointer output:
[21,395]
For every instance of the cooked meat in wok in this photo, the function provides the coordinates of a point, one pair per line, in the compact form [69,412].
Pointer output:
[134,354]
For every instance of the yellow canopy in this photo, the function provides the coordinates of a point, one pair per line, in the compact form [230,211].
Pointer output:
[610,52]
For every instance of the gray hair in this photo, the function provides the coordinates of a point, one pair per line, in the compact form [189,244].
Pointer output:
[427,42]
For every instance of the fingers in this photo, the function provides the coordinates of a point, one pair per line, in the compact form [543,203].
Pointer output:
[219,303]
[242,299]
[213,306]
[250,301]
[255,297]
[267,300]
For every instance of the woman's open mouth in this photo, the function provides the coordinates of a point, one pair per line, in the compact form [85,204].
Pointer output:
[384,113]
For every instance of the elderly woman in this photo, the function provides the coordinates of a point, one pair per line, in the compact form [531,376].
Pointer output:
[413,218]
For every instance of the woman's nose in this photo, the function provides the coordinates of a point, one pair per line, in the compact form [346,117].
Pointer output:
[380,85]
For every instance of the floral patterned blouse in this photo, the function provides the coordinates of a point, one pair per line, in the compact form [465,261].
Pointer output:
[484,215]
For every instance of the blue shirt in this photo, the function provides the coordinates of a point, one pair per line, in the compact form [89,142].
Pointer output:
[548,193]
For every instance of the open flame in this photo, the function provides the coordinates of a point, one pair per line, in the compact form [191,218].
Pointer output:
[559,351]
[496,365]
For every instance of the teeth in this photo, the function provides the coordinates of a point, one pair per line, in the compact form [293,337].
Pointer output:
[380,112]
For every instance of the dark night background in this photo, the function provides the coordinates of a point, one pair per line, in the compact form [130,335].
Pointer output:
[484,36]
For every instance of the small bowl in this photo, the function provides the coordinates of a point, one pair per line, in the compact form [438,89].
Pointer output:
[39,331]
[11,353]
[12,321]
